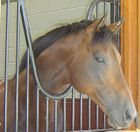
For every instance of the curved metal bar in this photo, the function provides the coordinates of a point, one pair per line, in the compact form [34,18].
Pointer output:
[29,45]
[92,5]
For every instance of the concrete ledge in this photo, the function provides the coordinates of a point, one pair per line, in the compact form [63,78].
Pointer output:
[137,130]
[126,131]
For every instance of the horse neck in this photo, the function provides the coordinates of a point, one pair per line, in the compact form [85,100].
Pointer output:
[53,63]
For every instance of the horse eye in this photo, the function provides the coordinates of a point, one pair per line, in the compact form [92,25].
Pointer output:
[99,60]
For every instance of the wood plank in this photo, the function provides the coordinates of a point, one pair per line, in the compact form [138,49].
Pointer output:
[129,45]
[139,61]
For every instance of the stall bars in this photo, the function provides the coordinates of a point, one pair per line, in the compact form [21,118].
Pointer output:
[115,15]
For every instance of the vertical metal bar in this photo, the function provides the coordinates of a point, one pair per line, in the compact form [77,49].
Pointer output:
[27,92]
[118,10]
[97,11]
[114,11]
[64,111]
[97,116]
[6,66]
[118,17]
[104,120]
[89,113]
[73,109]
[111,12]
[81,111]
[37,110]
[105,9]
[47,114]
[55,115]
[105,6]
[17,62]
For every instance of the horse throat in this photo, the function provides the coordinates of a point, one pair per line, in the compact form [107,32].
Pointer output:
[53,79]
[58,82]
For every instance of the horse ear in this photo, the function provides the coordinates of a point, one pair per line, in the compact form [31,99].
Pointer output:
[91,29]
[114,27]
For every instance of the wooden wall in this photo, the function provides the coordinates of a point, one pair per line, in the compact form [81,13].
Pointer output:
[139,60]
[129,46]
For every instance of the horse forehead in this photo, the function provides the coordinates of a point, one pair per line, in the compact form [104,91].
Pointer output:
[111,51]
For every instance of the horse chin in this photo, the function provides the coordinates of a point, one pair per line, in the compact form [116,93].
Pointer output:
[115,125]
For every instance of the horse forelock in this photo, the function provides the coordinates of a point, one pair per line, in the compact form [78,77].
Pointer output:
[103,35]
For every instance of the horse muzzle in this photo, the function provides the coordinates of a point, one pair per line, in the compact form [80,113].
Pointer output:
[122,120]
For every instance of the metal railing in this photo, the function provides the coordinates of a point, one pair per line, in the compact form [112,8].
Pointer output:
[21,11]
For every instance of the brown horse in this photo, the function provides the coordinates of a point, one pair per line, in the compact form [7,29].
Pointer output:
[82,54]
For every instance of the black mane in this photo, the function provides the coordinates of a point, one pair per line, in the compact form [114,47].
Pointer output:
[43,42]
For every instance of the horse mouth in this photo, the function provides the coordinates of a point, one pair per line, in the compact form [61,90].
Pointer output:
[116,125]
[113,124]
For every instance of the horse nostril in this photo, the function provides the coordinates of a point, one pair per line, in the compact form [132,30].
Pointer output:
[128,116]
